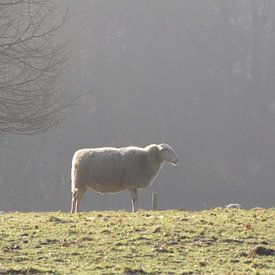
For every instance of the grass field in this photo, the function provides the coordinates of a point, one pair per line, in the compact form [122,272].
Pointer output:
[217,241]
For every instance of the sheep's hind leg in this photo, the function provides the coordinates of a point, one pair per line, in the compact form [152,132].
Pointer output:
[76,198]
[73,205]
[134,196]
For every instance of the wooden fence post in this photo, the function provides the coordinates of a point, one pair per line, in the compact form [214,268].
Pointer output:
[155,197]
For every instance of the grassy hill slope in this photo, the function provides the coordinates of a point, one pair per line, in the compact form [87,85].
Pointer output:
[221,241]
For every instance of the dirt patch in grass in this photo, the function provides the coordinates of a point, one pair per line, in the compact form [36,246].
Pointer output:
[263,251]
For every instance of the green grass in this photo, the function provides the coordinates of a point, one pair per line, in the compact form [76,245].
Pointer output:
[217,241]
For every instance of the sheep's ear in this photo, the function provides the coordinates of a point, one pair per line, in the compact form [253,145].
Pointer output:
[161,146]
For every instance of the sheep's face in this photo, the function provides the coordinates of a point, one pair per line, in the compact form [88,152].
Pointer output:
[168,154]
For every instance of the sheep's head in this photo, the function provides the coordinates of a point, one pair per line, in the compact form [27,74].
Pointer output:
[168,154]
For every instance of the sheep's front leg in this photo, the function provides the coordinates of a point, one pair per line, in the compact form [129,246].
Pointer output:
[134,196]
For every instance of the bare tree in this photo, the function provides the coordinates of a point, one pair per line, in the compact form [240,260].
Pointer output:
[31,63]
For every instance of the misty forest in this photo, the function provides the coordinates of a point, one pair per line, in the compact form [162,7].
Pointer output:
[198,75]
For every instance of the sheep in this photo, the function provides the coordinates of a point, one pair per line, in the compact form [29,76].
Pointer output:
[233,205]
[112,170]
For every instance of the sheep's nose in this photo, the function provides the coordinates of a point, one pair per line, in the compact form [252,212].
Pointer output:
[176,162]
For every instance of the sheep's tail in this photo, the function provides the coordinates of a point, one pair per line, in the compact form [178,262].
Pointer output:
[74,189]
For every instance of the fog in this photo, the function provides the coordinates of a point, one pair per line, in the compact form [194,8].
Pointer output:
[198,75]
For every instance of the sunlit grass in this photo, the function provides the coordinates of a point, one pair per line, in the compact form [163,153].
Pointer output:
[220,241]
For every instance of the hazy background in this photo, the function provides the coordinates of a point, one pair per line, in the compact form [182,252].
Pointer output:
[199,75]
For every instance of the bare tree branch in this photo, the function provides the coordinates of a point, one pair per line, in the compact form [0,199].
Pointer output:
[31,63]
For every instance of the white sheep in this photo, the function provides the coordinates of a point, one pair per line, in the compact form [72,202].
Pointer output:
[233,205]
[111,170]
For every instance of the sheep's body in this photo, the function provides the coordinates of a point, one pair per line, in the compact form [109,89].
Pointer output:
[111,170]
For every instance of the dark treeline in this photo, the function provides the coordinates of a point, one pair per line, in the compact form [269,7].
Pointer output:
[198,75]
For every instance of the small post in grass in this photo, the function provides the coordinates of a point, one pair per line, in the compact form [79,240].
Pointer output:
[155,197]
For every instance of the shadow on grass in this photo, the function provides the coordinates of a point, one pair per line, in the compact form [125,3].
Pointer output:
[26,271]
